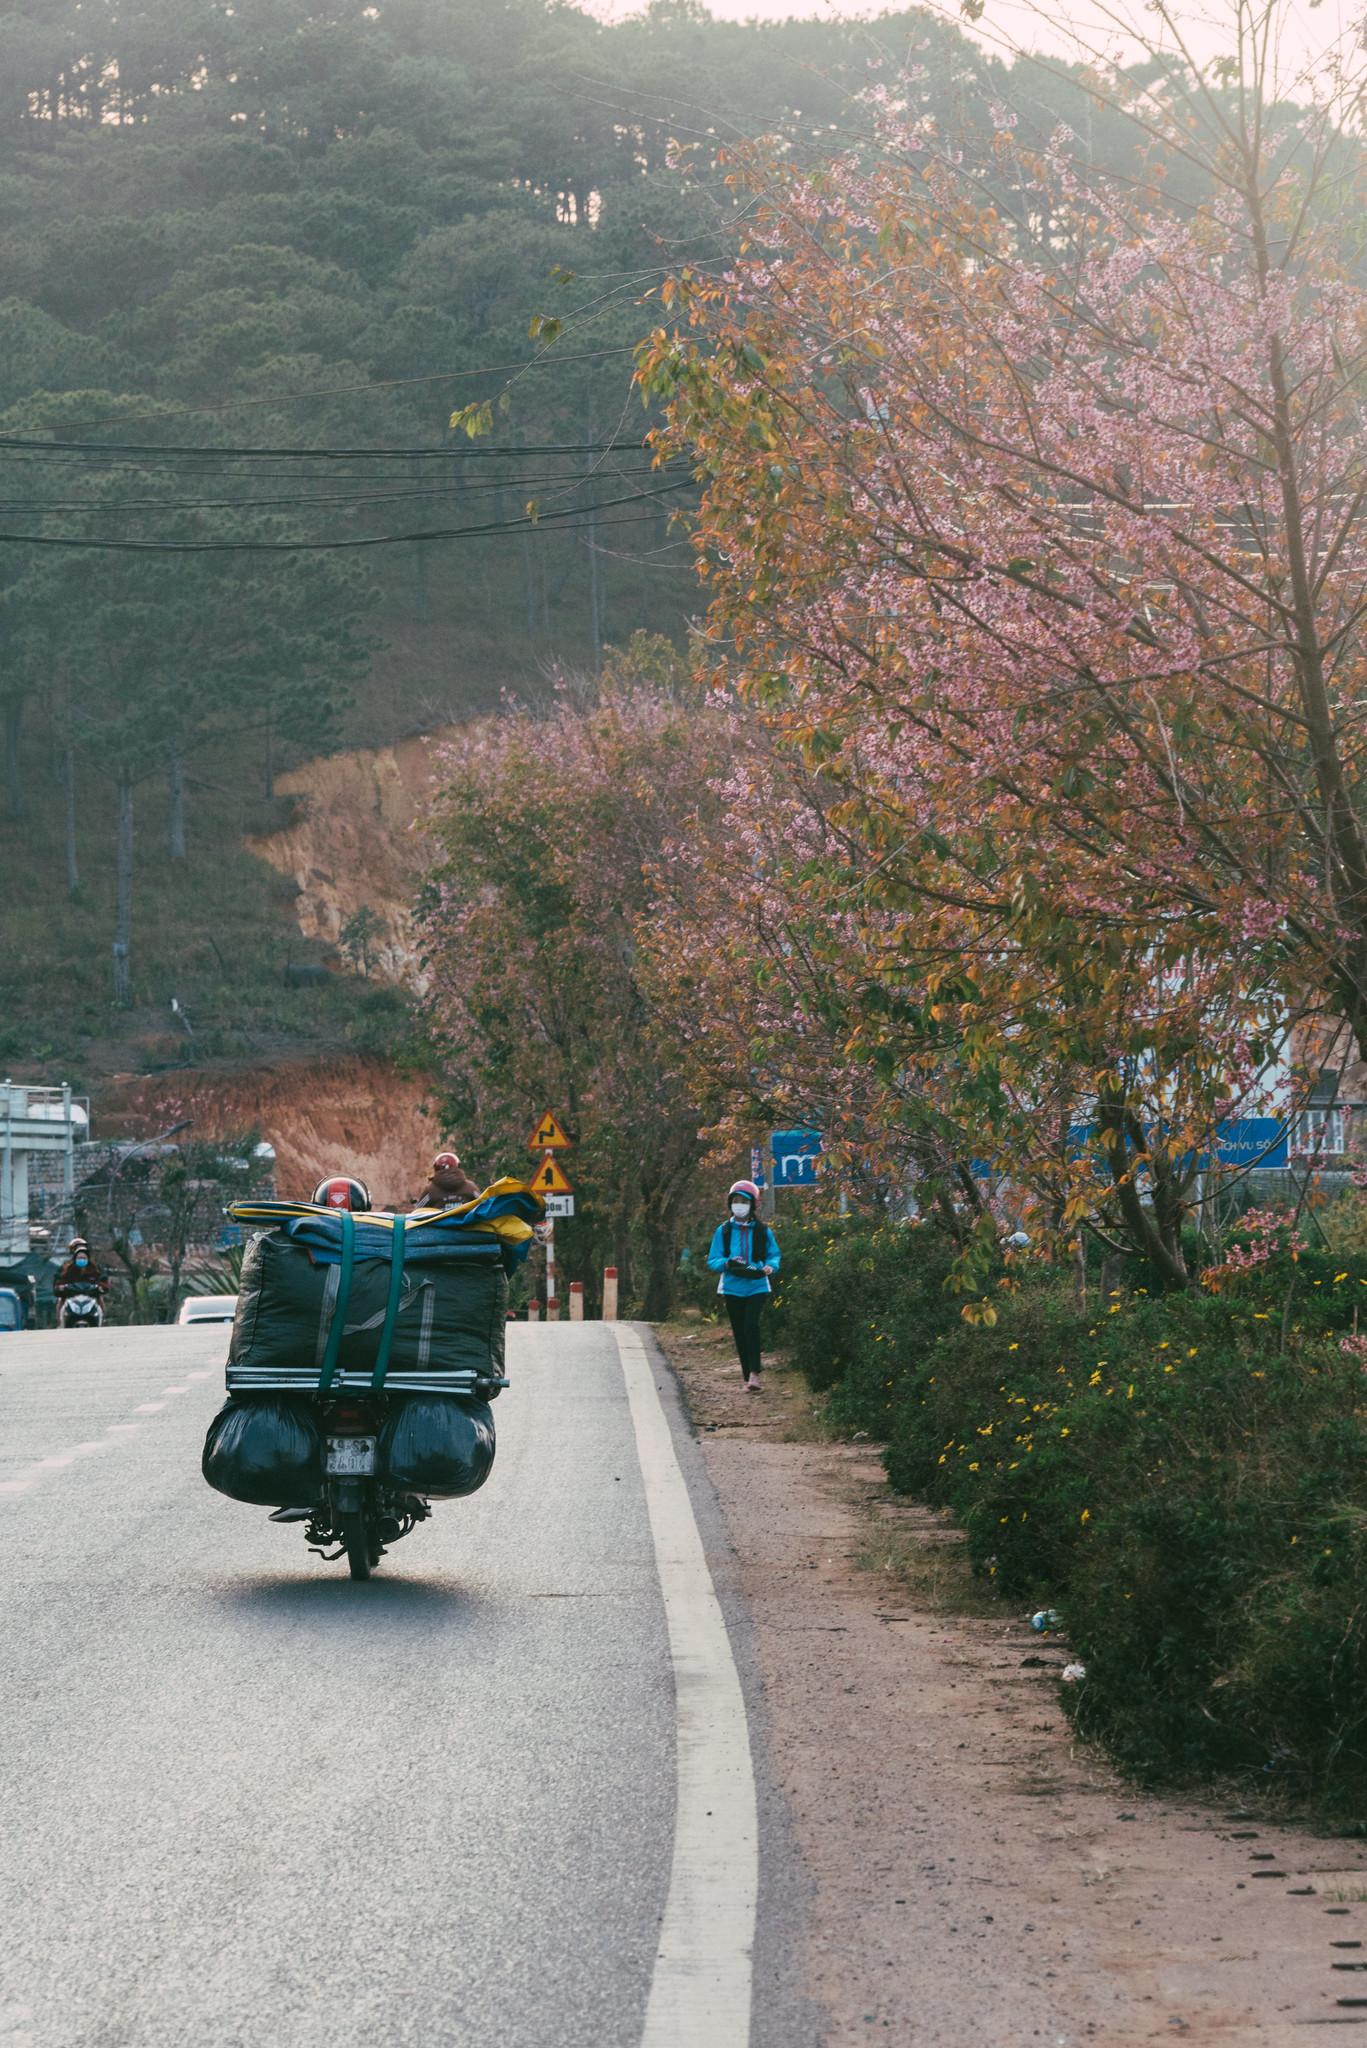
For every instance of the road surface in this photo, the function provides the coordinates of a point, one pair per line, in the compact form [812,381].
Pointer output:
[247,1803]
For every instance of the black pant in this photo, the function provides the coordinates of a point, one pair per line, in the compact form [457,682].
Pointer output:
[744,1311]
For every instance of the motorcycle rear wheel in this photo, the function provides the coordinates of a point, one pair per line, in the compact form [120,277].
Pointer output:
[359,1550]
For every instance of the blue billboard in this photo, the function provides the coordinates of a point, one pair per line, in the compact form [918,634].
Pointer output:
[1254,1141]
[795,1154]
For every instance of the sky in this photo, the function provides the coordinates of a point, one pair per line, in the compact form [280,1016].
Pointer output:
[1071,28]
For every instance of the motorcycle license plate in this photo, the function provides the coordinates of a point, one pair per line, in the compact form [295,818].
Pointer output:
[351,1457]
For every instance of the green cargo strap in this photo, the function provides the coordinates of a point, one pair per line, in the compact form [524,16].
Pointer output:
[391,1307]
[330,1356]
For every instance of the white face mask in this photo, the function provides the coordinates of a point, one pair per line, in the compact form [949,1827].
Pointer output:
[740,1210]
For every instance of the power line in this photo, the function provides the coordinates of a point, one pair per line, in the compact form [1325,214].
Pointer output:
[453,490]
[152,450]
[565,518]
[277,470]
[587,355]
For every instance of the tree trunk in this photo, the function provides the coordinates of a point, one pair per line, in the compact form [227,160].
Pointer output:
[662,1256]
[625,1276]
[1154,1229]
[177,827]
[14,781]
[73,872]
[123,891]
[174,1263]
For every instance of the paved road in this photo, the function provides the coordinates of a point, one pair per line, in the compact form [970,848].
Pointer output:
[246,1803]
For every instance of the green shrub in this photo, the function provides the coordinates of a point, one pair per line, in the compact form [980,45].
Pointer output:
[1184,1481]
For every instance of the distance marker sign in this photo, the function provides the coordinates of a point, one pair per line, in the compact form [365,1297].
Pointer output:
[549,1135]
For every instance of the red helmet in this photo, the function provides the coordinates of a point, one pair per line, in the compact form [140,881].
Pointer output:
[445,1161]
[341,1192]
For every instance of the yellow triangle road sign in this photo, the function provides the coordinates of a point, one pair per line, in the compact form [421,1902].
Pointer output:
[548,1179]
[548,1136]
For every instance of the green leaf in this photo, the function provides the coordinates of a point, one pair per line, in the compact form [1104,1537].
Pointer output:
[474,419]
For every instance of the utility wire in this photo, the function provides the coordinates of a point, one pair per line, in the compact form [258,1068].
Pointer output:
[399,473]
[565,517]
[44,506]
[463,451]
[345,390]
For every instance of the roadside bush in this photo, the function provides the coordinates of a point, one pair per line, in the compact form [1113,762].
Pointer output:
[1184,1481]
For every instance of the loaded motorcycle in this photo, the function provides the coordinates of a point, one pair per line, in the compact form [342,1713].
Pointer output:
[366,1348]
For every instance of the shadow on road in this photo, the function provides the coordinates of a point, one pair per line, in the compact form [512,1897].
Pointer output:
[333,1599]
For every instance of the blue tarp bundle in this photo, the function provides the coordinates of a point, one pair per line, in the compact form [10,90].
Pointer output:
[504,1213]
[330,1300]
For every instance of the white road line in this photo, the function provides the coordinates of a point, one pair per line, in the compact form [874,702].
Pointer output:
[701,1988]
[39,1468]
[175,1390]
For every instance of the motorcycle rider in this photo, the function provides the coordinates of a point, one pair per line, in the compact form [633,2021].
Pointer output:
[80,1274]
[340,1191]
[450,1184]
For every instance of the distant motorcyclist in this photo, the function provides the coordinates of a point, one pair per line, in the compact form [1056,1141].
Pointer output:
[80,1274]
[449,1185]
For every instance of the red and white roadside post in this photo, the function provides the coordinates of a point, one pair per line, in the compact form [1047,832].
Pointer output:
[576,1301]
[609,1294]
[552,1307]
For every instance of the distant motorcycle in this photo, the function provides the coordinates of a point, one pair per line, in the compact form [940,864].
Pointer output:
[80,1310]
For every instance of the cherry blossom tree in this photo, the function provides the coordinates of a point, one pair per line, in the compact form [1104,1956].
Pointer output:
[1034,528]
[548,833]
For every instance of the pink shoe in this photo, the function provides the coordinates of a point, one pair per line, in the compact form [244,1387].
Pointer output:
[754,1385]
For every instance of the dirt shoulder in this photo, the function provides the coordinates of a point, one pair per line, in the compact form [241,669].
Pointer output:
[978,1879]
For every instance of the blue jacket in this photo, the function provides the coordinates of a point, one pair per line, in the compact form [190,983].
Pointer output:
[733,1241]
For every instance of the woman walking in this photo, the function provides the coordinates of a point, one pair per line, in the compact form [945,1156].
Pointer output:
[745,1253]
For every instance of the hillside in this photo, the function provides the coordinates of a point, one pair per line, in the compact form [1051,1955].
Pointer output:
[251,268]
[323,1116]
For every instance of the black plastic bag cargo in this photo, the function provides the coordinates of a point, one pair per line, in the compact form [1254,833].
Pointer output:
[267,1452]
[437,1444]
[452,1312]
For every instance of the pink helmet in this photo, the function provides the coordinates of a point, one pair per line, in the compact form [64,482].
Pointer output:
[743,1187]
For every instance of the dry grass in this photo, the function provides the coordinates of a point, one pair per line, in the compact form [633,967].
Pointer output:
[929,1564]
